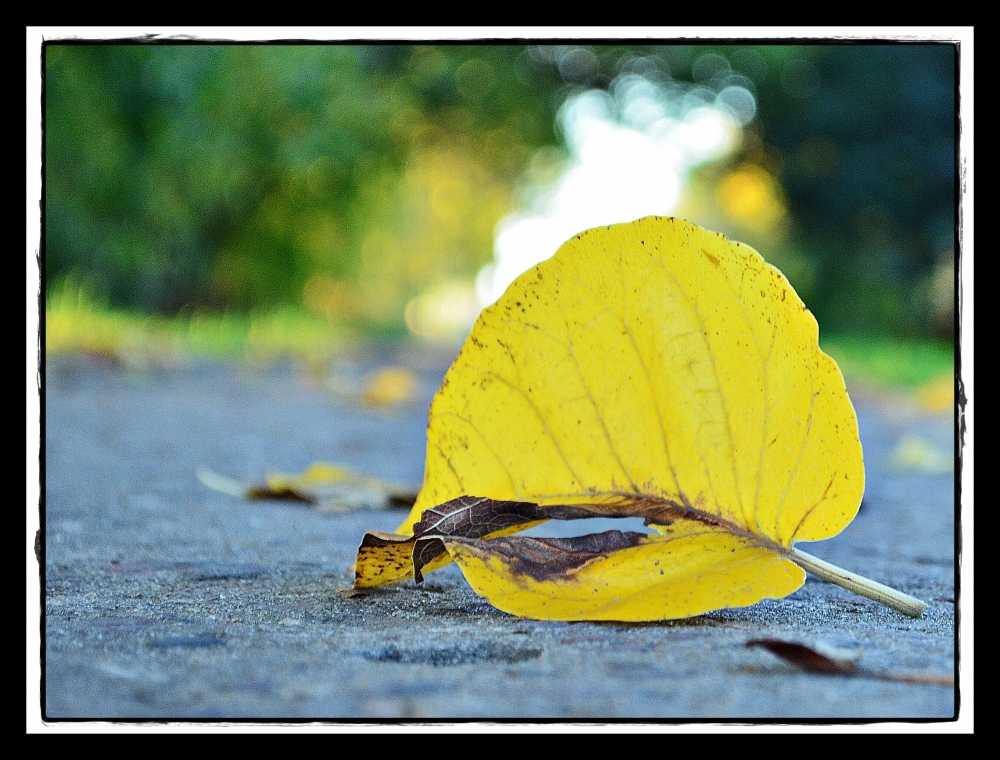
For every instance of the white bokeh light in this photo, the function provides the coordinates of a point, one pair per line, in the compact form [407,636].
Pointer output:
[630,154]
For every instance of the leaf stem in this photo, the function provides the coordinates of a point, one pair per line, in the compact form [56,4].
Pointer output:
[890,597]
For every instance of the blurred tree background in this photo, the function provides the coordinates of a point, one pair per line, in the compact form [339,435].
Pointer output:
[351,181]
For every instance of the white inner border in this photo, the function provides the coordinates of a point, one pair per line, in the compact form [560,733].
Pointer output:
[36,35]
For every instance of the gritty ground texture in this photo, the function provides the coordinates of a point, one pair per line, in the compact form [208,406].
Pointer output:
[166,601]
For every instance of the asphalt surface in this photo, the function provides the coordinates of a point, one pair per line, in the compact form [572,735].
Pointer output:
[166,601]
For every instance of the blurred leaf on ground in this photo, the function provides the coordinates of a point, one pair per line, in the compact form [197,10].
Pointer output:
[917,454]
[324,486]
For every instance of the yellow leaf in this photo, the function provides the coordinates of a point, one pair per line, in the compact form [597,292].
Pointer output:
[647,368]
[658,359]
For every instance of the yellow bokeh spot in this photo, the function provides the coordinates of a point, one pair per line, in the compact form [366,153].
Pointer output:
[938,395]
[444,312]
[389,387]
[752,196]
[327,297]
[450,199]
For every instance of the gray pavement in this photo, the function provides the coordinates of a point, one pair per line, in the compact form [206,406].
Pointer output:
[166,601]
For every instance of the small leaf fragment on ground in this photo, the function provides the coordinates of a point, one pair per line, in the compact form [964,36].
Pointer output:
[352,593]
[829,660]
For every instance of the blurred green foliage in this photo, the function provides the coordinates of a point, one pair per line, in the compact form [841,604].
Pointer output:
[865,136]
[206,175]
[190,177]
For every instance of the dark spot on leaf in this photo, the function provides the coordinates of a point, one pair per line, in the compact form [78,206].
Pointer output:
[554,558]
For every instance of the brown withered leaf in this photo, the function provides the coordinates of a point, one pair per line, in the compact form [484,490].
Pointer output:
[829,660]
[467,517]
[809,658]
[384,557]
